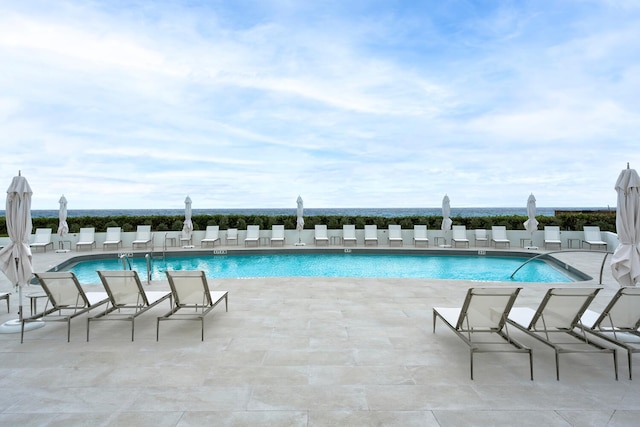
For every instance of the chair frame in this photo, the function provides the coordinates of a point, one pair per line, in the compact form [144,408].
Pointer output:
[253,235]
[210,299]
[457,319]
[459,229]
[605,327]
[90,243]
[395,234]
[84,301]
[420,239]
[108,242]
[351,229]
[371,234]
[552,236]
[142,238]
[501,238]
[232,234]
[41,233]
[572,328]
[480,235]
[5,296]
[320,234]
[277,235]
[208,238]
[593,237]
[113,309]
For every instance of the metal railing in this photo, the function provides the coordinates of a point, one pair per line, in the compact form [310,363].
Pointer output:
[606,253]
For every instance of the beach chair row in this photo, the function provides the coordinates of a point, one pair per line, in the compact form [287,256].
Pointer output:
[124,299]
[563,314]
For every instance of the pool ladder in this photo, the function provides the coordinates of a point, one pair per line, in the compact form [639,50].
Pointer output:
[126,263]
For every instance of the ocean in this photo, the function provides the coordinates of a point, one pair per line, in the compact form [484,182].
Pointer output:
[370,212]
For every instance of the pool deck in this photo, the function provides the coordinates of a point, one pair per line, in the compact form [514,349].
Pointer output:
[306,352]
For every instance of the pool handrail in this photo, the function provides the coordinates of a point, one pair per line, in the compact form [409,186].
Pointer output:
[606,253]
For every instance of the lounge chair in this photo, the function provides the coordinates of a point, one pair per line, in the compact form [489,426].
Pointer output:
[277,234]
[144,236]
[558,315]
[66,298]
[349,234]
[459,235]
[484,311]
[480,235]
[499,236]
[5,296]
[420,235]
[593,237]
[395,234]
[86,238]
[42,239]
[253,235]
[191,292]
[232,234]
[619,322]
[211,235]
[320,235]
[112,237]
[370,234]
[552,236]
[127,298]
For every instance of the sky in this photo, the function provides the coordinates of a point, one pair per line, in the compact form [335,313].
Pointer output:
[389,103]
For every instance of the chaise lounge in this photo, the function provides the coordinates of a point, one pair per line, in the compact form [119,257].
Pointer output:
[42,239]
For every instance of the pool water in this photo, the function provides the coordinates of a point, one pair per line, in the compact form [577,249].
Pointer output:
[477,268]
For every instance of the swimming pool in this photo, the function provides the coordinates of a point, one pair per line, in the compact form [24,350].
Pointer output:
[468,267]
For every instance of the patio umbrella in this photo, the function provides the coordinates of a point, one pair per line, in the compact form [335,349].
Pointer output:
[300,220]
[531,224]
[63,227]
[15,258]
[625,262]
[187,228]
[446,213]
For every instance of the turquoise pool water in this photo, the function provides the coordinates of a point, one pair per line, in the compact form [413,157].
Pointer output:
[479,268]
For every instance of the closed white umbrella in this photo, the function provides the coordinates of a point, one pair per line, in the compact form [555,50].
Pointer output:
[531,224]
[625,262]
[446,213]
[300,220]
[15,258]
[63,227]
[187,227]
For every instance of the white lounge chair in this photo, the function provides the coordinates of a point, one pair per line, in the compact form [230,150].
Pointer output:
[113,237]
[191,292]
[552,236]
[320,234]
[558,315]
[253,235]
[395,234]
[66,299]
[420,235]
[593,237]
[86,238]
[349,234]
[211,235]
[480,236]
[484,312]
[459,235]
[144,236]
[370,234]
[499,236]
[42,239]
[619,322]
[5,296]
[277,234]
[127,298]
[232,235]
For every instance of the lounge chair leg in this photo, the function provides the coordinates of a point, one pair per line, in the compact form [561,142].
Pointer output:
[615,364]
[133,328]
[557,366]
[434,321]
[531,363]
[629,353]
[157,329]
[471,363]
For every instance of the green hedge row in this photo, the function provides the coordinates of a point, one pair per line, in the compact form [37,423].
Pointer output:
[566,221]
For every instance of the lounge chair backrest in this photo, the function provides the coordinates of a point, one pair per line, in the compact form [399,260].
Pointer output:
[253,231]
[87,234]
[459,232]
[499,232]
[189,288]
[43,235]
[551,232]
[592,233]
[486,308]
[277,231]
[562,308]
[623,310]
[349,231]
[212,232]
[481,233]
[63,289]
[123,287]
[370,232]
[395,231]
[420,231]
[143,232]
[113,234]
[232,233]
[321,231]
